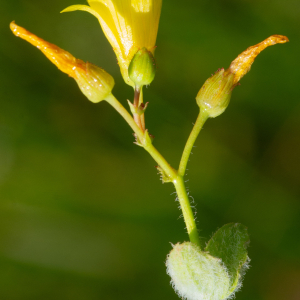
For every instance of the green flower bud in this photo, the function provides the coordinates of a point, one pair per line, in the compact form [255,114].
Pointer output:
[214,96]
[196,275]
[141,69]
[94,82]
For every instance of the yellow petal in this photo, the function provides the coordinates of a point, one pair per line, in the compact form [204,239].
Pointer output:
[81,7]
[141,5]
[129,25]
[64,60]
[109,30]
[136,21]
[242,64]
[108,27]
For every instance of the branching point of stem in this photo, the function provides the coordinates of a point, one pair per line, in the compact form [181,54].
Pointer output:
[171,173]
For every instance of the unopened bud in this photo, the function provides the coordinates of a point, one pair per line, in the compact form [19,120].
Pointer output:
[141,69]
[94,82]
[214,96]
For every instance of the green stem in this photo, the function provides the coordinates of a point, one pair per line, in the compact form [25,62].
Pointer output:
[186,210]
[161,161]
[126,115]
[169,171]
[202,117]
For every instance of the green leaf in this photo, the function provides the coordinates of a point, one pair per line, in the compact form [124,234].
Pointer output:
[229,243]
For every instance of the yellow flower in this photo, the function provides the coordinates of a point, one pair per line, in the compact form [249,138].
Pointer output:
[129,25]
[94,82]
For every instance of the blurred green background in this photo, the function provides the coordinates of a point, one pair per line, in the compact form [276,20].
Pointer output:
[83,214]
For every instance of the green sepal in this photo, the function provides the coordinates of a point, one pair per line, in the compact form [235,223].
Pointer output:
[214,95]
[142,68]
[229,244]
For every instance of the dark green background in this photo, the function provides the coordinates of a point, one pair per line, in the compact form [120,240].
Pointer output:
[83,214]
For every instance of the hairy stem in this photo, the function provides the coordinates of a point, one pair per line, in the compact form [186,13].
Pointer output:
[202,117]
[186,210]
[161,161]
[126,115]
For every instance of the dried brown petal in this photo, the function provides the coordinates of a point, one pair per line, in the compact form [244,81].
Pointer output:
[64,60]
[242,64]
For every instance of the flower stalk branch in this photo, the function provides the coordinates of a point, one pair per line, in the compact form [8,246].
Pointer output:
[126,116]
[187,211]
[201,119]
[172,174]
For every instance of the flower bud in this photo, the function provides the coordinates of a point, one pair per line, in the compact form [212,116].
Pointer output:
[94,82]
[141,69]
[196,275]
[214,96]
